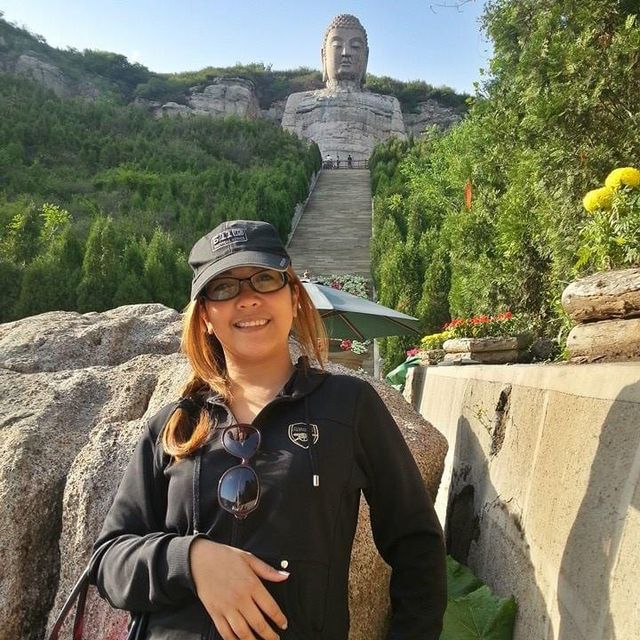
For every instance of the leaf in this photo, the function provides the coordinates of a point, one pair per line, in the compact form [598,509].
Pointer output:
[479,616]
[460,580]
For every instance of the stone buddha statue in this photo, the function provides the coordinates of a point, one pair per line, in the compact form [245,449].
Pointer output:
[343,119]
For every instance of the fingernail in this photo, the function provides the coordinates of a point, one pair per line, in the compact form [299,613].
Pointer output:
[283,573]
[284,626]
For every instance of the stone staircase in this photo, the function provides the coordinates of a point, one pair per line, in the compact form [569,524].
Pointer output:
[335,229]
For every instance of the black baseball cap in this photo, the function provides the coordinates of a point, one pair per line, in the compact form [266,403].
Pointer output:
[236,243]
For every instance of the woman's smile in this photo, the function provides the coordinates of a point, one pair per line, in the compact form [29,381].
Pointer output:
[251,325]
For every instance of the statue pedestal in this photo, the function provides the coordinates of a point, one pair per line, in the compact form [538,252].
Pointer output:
[343,122]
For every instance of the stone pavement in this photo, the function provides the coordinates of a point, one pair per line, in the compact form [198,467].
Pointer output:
[335,229]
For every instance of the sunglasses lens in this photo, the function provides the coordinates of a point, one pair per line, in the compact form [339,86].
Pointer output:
[238,490]
[241,440]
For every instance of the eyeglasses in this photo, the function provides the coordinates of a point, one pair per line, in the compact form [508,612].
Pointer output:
[266,281]
[239,487]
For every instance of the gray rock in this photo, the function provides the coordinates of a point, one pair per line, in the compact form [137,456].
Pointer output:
[482,357]
[68,340]
[274,112]
[223,97]
[430,113]
[227,97]
[602,296]
[607,340]
[44,73]
[480,345]
[77,390]
[173,109]
[51,77]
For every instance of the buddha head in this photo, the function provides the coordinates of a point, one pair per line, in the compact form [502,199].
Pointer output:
[345,50]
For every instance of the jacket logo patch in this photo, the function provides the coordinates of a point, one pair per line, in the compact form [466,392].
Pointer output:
[298,434]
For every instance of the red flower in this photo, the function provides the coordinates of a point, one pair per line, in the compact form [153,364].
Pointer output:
[346,345]
[412,352]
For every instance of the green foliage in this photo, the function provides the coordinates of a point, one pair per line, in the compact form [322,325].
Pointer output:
[10,281]
[472,612]
[479,616]
[460,579]
[95,198]
[556,113]
[21,237]
[100,267]
[610,238]
[411,93]
[166,273]
[115,67]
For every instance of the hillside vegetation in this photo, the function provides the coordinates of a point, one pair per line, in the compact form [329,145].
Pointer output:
[557,112]
[99,203]
[122,80]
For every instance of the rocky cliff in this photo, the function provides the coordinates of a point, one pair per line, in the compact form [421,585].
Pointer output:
[428,114]
[223,97]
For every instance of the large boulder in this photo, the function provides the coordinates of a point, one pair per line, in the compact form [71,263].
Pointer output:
[607,340]
[223,97]
[226,97]
[51,77]
[604,296]
[44,73]
[77,391]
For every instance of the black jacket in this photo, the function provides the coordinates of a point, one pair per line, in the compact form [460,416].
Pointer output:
[354,445]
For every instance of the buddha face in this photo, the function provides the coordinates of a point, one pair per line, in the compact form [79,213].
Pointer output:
[345,54]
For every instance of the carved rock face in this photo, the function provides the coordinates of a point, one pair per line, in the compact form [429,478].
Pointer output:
[344,55]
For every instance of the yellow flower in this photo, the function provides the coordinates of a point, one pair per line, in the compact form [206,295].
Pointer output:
[625,176]
[598,199]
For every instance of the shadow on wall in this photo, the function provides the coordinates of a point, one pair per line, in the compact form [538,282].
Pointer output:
[595,538]
[483,532]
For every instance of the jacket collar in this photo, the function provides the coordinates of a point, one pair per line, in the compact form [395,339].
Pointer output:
[302,382]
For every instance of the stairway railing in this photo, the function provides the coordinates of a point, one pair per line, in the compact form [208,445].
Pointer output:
[345,164]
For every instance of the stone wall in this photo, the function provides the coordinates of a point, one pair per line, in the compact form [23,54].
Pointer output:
[541,491]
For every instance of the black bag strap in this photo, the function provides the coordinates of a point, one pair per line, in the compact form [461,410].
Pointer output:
[79,592]
[137,628]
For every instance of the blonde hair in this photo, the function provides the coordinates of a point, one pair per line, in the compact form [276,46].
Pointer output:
[180,437]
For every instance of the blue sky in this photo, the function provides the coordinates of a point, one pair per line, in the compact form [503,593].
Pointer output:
[408,40]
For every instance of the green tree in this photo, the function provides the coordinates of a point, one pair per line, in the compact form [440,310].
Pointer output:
[10,281]
[21,241]
[101,267]
[132,289]
[163,275]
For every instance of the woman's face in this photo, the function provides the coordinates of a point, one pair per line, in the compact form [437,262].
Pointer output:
[252,326]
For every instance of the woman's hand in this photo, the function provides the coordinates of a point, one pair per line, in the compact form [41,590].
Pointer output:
[228,584]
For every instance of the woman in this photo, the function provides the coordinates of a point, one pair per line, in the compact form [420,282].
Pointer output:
[235,518]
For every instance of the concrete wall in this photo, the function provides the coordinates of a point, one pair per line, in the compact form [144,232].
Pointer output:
[541,491]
